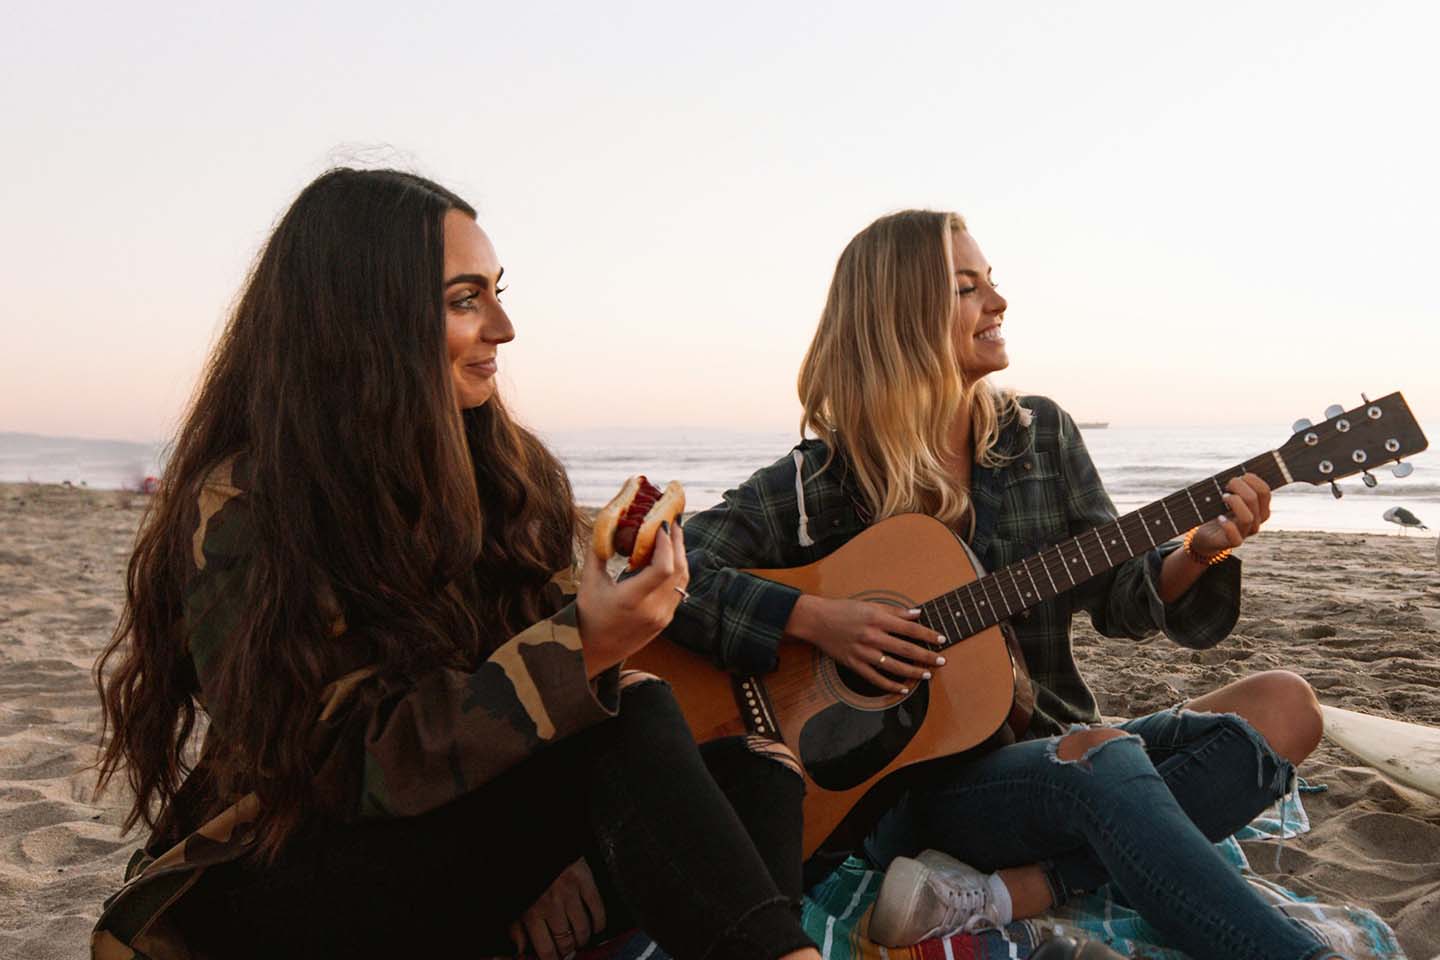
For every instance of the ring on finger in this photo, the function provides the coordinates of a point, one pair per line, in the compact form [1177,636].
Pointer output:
[684,594]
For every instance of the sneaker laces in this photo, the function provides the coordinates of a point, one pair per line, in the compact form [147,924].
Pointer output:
[986,918]
[967,900]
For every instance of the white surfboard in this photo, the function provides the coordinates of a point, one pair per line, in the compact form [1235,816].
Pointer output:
[1407,753]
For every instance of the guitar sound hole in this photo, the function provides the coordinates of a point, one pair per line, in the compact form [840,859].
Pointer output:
[856,683]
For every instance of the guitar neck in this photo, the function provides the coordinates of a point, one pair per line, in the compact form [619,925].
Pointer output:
[986,601]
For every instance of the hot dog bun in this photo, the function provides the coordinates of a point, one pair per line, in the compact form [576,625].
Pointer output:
[611,529]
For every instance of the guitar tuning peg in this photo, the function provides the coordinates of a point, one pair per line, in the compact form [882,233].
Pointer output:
[1335,489]
[1333,411]
[1302,424]
[1369,479]
[1364,399]
[1402,470]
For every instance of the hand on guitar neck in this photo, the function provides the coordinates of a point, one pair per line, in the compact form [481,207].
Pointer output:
[1248,498]
[872,639]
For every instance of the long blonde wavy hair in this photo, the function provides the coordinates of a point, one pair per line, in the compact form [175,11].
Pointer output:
[881,377]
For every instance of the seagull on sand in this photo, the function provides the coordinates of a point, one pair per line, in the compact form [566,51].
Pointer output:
[1405,518]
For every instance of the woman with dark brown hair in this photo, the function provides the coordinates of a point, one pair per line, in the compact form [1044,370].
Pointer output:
[354,707]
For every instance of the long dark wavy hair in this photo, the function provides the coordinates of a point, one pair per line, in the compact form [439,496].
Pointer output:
[435,531]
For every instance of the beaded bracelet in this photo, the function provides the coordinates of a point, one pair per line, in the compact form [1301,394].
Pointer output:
[1207,561]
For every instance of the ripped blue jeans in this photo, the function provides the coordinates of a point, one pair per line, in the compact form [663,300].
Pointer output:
[1141,812]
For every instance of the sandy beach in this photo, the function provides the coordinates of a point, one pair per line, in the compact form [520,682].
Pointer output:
[1357,615]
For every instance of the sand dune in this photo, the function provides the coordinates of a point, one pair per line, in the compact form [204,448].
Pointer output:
[1359,616]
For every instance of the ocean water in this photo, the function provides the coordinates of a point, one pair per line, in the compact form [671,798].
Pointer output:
[1139,465]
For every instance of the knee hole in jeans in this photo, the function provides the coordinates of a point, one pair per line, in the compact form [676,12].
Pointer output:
[631,678]
[773,750]
[1079,746]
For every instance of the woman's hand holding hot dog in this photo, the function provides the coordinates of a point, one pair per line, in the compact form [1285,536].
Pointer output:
[617,619]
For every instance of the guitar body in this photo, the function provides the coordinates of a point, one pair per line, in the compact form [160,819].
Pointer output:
[846,734]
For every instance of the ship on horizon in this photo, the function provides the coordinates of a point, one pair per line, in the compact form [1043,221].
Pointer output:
[1093,424]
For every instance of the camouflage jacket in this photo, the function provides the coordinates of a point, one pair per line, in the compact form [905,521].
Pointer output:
[793,513]
[385,749]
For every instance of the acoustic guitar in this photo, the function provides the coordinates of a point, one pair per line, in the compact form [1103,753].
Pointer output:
[849,735]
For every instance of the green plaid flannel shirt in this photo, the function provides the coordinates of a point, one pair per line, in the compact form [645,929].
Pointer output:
[1046,492]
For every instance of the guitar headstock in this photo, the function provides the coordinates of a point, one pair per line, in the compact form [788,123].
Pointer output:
[1373,434]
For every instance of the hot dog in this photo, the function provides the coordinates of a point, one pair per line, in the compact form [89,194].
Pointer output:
[629,523]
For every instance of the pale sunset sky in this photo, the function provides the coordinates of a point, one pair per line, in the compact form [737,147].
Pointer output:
[1201,214]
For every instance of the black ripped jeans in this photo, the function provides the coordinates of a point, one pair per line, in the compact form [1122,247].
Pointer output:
[702,852]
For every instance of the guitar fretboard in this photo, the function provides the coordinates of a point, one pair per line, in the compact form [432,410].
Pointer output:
[967,610]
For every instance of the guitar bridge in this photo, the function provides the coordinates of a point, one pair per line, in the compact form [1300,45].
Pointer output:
[756,709]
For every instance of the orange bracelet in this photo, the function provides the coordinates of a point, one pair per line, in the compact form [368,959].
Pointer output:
[1190,551]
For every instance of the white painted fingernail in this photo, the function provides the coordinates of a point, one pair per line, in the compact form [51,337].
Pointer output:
[914,611]
[925,675]
[941,640]
[939,661]
[904,689]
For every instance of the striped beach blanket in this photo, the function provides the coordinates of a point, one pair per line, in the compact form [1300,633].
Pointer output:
[837,911]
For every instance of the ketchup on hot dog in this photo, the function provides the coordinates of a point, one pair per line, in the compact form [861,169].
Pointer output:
[629,524]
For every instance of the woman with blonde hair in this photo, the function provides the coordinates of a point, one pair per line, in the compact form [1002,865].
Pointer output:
[896,391]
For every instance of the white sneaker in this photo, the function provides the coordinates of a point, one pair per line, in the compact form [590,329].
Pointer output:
[934,895]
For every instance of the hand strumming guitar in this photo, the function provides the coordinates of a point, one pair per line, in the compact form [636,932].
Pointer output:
[872,639]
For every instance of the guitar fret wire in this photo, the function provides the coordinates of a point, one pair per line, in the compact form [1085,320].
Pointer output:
[1064,565]
[1046,567]
[1081,548]
[953,635]
[997,578]
[986,593]
[1014,586]
[949,614]
[1025,565]
[984,599]
[956,599]
[1101,540]
[1120,525]
[960,603]
[1199,517]
[1168,516]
